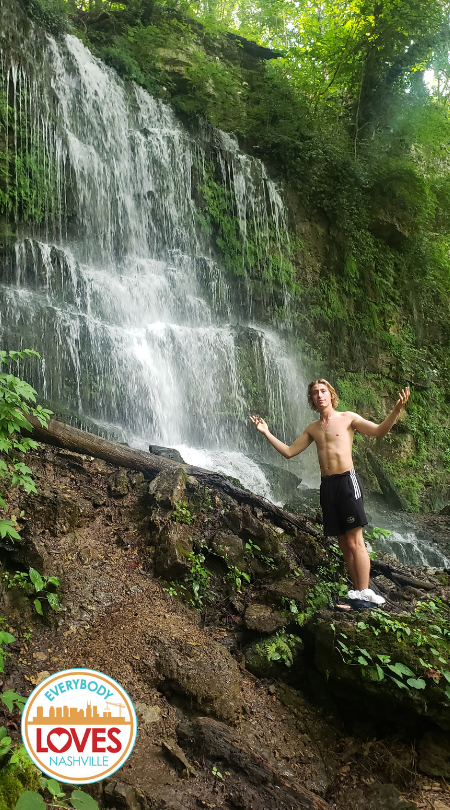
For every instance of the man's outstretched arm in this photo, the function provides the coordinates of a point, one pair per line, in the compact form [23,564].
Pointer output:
[294,449]
[371,429]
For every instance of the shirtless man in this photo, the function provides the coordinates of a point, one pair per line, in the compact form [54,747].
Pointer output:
[340,490]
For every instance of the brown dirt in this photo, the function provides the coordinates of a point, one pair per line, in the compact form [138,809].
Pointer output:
[112,610]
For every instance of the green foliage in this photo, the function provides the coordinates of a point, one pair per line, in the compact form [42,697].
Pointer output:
[5,639]
[280,647]
[195,585]
[238,579]
[33,583]
[427,630]
[16,397]
[50,14]
[126,65]
[181,513]
[32,800]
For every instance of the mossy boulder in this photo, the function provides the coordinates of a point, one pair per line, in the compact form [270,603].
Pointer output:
[231,548]
[359,664]
[168,487]
[171,559]
[279,656]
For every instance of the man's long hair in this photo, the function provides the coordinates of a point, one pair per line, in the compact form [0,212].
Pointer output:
[321,381]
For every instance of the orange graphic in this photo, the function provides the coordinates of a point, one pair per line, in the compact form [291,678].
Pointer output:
[70,714]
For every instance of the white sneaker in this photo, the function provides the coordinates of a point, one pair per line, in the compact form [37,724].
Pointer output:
[354,594]
[369,596]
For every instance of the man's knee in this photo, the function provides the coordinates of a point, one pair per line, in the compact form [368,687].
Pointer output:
[354,538]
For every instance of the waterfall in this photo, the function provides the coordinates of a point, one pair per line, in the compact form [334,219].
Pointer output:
[119,286]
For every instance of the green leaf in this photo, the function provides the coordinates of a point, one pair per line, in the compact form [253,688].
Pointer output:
[380,672]
[54,581]
[405,670]
[7,530]
[416,683]
[6,638]
[447,692]
[30,800]
[364,652]
[53,598]
[38,607]
[53,787]
[446,675]
[398,683]
[9,698]
[36,579]
[362,661]
[396,668]
[3,732]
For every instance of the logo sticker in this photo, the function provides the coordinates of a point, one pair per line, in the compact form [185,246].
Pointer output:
[79,726]
[350,519]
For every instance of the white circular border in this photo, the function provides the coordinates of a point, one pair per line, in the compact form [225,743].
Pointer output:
[31,753]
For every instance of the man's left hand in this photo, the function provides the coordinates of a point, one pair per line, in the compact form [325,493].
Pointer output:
[403,397]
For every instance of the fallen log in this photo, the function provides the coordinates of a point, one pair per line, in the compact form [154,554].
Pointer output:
[66,437]
[399,577]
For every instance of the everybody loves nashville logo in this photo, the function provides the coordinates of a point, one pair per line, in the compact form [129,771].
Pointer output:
[79,726]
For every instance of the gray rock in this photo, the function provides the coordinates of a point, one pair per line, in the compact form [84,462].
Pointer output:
[264,619]
[391,495]
[233,520]
[387,797]
[434,754]
[171,558]
[206,674]
[283,483]
[166,452]
[231,548]
[120,485]
[168,487]
[119,794]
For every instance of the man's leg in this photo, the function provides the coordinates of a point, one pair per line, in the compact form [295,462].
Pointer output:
[356,557]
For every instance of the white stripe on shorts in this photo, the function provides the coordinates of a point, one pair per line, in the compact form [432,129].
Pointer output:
[356,487]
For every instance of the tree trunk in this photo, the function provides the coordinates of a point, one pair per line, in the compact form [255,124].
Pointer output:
[79,441]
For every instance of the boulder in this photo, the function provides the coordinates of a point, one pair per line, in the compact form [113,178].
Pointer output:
[168,487]
[117,794]
[283,483]
[309,550]
[264,619]
[356,682]
[120,485]
[290,589]
[265,660]
[231,548]
[207,675]
[174,544]
[166,452]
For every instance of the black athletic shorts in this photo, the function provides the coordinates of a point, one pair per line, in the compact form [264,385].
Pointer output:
[341,499]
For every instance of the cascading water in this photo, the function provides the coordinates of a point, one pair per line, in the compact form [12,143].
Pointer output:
[118,288]
[113,277]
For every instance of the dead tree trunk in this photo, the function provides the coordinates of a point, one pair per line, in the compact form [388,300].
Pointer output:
[120,455]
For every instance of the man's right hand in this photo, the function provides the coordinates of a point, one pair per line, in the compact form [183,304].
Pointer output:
[260,424]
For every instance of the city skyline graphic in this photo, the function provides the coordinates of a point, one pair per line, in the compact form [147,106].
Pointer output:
[71,714]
